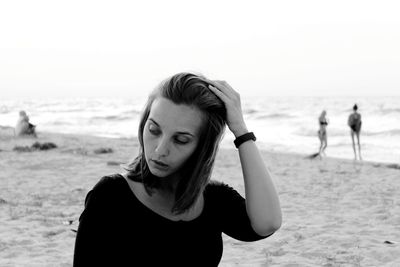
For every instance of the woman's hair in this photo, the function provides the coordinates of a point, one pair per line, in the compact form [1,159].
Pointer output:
[192,90]
[355,107]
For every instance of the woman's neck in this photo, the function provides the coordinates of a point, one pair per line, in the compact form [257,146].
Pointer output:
[168,185]
[162,199]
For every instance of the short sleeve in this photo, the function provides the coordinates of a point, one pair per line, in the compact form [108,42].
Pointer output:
[231,213]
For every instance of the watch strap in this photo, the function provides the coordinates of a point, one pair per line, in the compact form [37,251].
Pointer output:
[243,138]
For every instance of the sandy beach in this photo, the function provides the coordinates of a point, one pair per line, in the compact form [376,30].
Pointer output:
[336,212]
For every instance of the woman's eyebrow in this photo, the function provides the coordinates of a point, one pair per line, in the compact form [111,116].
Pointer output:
[185,133]
[181,132]
[150,119]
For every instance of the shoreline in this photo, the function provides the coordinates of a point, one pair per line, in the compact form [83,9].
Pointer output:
[393,165]
[336,211]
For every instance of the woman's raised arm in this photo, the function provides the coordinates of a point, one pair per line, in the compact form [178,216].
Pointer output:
[262,200]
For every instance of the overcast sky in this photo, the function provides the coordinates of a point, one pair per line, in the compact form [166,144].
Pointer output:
[122,48]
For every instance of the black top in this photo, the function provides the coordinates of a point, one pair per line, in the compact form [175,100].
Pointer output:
[355,122]
[323,121]
[116,229]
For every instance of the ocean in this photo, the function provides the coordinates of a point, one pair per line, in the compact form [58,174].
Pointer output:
[281,124]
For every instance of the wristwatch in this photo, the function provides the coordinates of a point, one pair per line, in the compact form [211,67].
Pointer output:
[243,138]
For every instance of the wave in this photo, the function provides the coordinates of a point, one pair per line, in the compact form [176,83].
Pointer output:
[275,116]
[60,123]
[4,110]
[307,132]
[393,132]
[339,133]
[386,111]
[66,110]
[122,116]
[112,118]
[249,111]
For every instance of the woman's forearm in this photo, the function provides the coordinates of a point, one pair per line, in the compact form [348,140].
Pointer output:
[262,200]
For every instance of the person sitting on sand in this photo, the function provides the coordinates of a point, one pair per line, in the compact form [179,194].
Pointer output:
[164,210]
[24,127]
[322,134]
[354,123]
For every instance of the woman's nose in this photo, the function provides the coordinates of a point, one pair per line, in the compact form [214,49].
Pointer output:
[162,148]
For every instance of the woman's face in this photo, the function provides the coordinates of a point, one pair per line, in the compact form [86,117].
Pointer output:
[170,136]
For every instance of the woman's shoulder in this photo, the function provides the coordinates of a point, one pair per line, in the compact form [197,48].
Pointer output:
[216,185]
[108,185]
[109,180]
[355,116]
[220,190]
[107,192]
[105,197]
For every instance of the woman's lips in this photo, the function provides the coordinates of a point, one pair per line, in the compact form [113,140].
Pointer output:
[159,164]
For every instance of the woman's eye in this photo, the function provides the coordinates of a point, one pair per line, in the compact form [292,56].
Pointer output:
[181,141]
[153,130]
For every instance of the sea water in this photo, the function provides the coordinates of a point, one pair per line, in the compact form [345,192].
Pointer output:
[282,124]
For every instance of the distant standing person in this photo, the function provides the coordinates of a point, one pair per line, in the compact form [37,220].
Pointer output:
[354,123]
[24,127]
[322,134]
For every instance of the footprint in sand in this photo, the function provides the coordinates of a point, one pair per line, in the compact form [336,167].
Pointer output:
[277,253]
[298,237]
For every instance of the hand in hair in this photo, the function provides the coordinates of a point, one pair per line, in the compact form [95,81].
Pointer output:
[262,202]
[231,99]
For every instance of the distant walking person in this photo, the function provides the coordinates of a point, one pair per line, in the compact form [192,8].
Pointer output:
[354,123]
[24,127]
[322,134]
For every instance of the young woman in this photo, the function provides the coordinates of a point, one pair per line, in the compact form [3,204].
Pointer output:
[164,210]
[354,123]
[322,134]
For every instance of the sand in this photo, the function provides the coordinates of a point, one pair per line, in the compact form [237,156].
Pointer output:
[335,212]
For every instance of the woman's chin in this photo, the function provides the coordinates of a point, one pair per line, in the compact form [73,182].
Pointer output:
[164,175]
[159,173]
